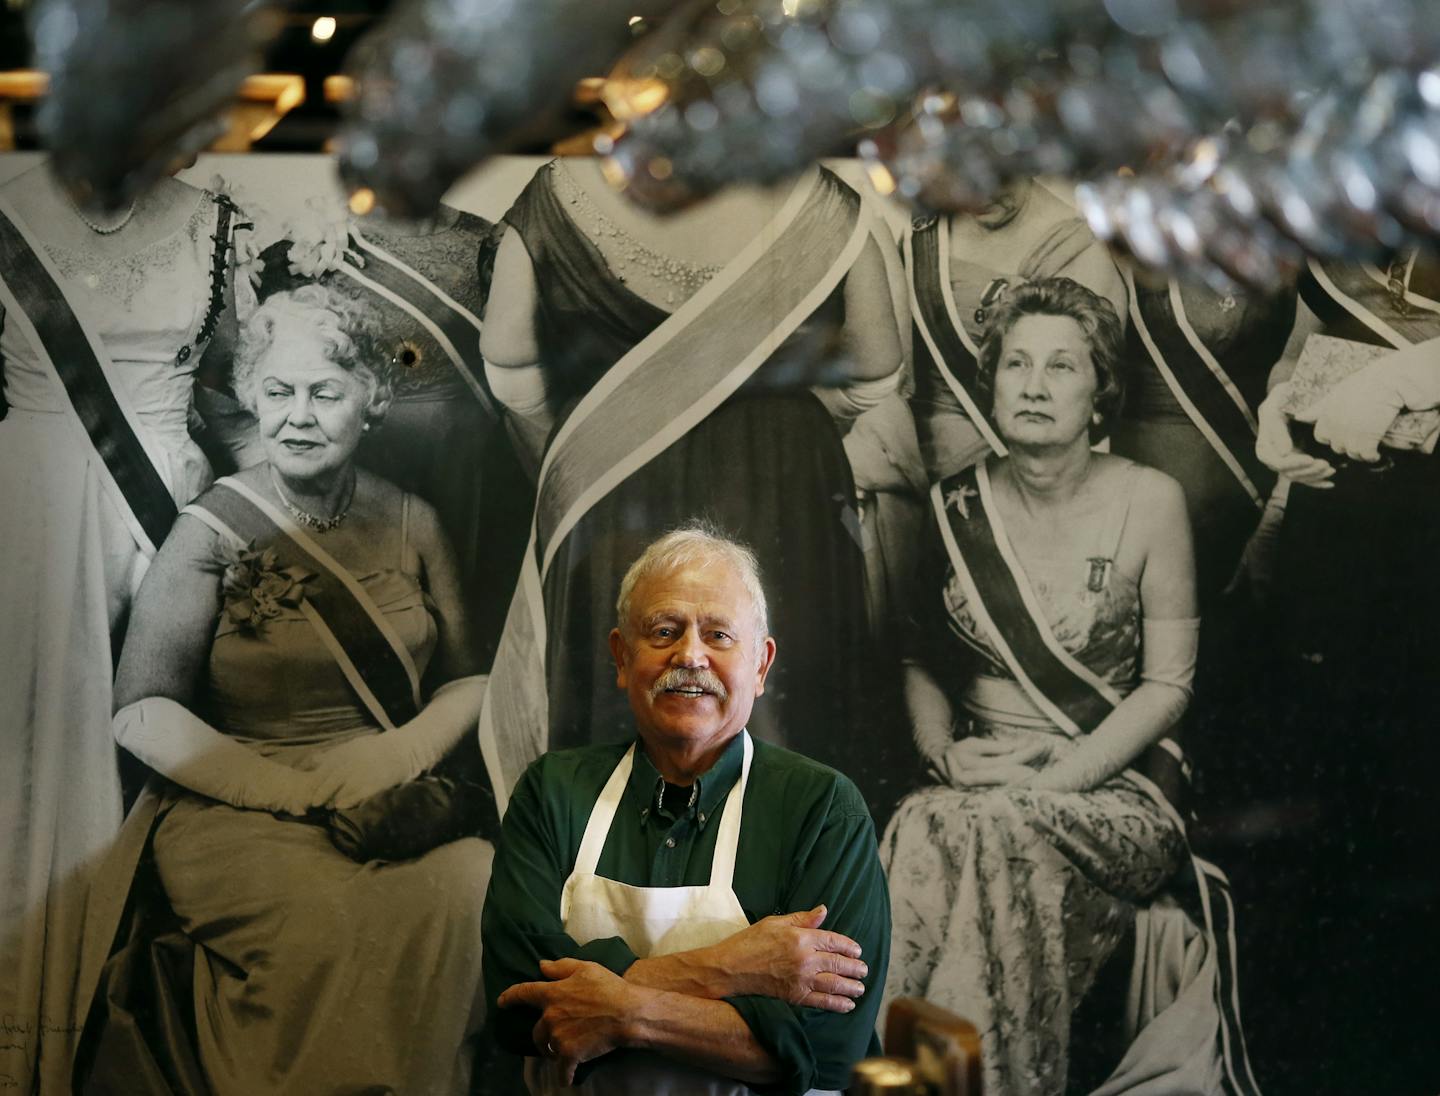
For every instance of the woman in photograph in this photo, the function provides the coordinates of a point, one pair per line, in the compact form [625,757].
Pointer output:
[444,437]
[1356,596]
[105,319]
[274,671]
[1198,362]
[663,370]
[1055,646]
[959,267]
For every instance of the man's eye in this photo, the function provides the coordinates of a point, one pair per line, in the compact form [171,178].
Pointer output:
[275,394]
[664,633]
[722,637]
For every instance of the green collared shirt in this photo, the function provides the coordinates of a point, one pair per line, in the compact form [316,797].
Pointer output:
[806,838]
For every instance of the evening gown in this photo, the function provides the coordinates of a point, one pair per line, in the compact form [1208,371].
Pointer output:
[1007,901]
[767,466]
[72,566]
[314,973]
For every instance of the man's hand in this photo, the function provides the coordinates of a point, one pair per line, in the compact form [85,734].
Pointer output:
[583,1011]
[789,957]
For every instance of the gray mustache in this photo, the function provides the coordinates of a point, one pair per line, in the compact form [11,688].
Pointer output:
[687,677]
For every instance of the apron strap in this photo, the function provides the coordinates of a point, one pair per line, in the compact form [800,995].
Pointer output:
[727,841]
[602,815]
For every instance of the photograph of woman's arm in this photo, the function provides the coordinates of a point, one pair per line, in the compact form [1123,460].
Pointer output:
[1170,640]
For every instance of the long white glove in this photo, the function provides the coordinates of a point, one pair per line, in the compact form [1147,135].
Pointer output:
[180,745]
[1141,719]
[355,770]
[1356,413]
[1276,449]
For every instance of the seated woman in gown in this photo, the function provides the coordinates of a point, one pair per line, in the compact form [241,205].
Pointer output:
[1055,645]
[273,672]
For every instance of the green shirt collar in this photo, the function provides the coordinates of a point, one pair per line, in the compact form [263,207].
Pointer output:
[646,783]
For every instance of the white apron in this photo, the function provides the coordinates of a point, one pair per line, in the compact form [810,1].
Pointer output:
[652,921]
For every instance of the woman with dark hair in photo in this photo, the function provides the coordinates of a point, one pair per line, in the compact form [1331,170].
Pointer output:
[1053,652]
[959,267]
[104,319]
[299,649]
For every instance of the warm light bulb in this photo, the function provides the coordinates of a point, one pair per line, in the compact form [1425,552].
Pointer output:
[323,29]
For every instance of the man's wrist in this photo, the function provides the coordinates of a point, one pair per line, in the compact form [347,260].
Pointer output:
[693,973]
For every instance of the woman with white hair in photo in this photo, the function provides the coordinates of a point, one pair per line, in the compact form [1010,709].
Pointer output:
[299,649]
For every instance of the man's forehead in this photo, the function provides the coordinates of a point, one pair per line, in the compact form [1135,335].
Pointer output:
[705,587]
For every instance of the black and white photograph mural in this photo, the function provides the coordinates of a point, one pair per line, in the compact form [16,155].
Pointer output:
[363,569]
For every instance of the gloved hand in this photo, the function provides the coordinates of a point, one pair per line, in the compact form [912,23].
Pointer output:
[1355,414]
[1276,448]
[355,770]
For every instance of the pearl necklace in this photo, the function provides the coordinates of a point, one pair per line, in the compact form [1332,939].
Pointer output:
[304,517]
[102,230]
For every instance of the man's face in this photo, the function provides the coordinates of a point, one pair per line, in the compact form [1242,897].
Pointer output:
[689,658]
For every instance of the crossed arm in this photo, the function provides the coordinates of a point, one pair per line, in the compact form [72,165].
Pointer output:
[778,1005]
[675,1004]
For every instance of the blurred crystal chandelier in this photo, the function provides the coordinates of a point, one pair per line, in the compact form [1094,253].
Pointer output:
[1225,137]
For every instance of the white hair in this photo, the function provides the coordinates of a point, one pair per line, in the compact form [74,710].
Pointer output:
[695,543]
[345,328]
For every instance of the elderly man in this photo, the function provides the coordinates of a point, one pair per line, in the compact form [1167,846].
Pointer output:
[653,920]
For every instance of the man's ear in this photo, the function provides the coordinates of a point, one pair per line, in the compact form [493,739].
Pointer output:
[619,649]
[767,659]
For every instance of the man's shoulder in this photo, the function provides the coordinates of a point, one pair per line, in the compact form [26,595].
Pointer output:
[805,779]
[568,769]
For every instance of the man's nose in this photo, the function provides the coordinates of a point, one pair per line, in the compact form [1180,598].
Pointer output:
[690,650]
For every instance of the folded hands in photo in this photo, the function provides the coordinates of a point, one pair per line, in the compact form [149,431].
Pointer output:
[975,762]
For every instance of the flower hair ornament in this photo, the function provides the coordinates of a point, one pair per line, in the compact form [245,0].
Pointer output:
[320,240]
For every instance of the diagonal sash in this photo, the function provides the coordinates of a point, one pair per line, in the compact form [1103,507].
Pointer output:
[372,656]
[1078,700]
[999,593]
[449,323]
[663,387]
[1201,386]
[131,466]
[1354,298]
[937,319]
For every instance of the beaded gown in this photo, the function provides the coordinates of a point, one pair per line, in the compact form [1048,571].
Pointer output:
[767,466]
[1006,901]
[71,567]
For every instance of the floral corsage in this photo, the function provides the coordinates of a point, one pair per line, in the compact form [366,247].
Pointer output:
[255,587]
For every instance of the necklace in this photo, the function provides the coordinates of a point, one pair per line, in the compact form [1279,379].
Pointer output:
[304,517]
[101,230]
